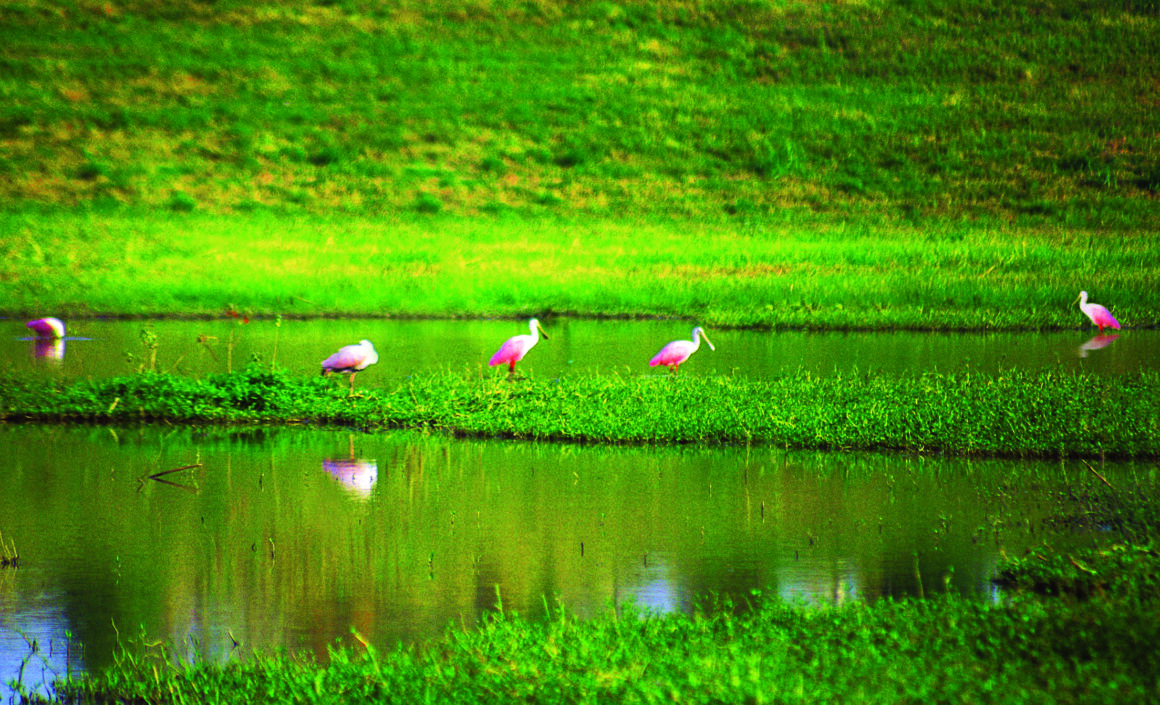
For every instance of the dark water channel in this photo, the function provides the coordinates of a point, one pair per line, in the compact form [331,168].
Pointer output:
[290,537]
[103,347]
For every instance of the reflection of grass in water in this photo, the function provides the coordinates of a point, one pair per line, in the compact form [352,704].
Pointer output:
[9,557]
[1010,413]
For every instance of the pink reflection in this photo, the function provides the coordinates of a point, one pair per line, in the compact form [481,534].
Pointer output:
[358,475]
[1096,343]
[51,349]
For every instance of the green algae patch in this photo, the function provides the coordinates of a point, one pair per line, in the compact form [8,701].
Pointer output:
[1009,413]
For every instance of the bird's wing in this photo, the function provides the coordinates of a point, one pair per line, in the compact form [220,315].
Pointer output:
[512,349]
[347,358]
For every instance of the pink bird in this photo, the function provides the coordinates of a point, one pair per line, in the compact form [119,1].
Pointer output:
[47,327]
[1099,315]
[514,348]
[676,352]
[351,360]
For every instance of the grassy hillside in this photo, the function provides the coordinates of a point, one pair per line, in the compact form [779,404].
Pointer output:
[962,164]
[1040,113]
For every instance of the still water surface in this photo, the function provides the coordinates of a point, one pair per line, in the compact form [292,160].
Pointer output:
[100,348]
[292,538]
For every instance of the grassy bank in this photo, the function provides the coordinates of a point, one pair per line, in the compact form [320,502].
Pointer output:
[1044,414]
[734,109]
[832,276]
[1030,648]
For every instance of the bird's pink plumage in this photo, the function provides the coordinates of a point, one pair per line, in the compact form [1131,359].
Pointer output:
[512,351]
[674,353]
[1102,317]
[352,357]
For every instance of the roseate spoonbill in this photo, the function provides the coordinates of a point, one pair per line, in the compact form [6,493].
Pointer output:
[676,352]
[514,348]
[47,327]
[351,360]
[1099,315]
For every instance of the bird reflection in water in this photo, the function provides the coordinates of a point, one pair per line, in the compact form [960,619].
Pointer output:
[1096,343]
[49,341]
[51,349]
[357,474]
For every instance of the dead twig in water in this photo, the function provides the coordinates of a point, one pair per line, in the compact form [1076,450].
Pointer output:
[1102,478]
[160,477]
[156,475]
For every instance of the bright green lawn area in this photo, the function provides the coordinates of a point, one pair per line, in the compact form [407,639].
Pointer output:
[821,275]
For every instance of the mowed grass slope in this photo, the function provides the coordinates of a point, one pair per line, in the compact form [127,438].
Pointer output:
[957,165]
[957,109]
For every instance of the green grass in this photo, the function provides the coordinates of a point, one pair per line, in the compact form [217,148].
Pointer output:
[1044,414]
[1024,649]
[949,276]
[961,165]
[731,109]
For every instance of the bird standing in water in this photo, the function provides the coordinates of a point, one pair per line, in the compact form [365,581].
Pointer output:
[47,327]
[351,360]
[676,352]
[1100,316]
[514,348]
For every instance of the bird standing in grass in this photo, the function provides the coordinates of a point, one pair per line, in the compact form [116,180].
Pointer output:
[1100,316]
[351,360]
[514,348]
[676,352]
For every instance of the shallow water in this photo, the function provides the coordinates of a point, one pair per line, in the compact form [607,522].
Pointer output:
[291,537]
[101,348]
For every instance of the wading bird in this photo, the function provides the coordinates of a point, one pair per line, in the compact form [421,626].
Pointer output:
[1099,315]
[514,348]
[676,352]
[351,360]
[47,327]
